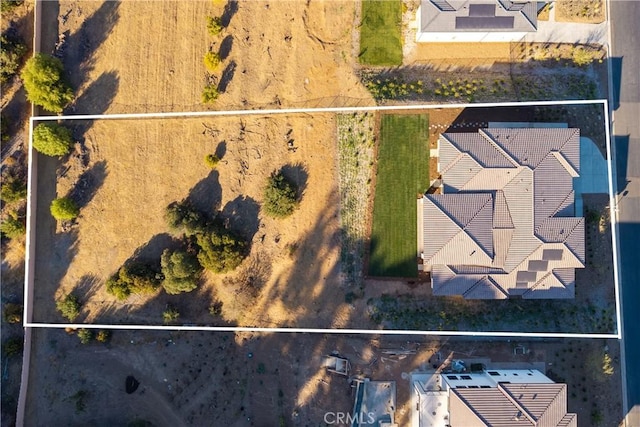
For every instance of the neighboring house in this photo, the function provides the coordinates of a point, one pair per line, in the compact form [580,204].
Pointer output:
[475,20]
[504,225]
[510,398]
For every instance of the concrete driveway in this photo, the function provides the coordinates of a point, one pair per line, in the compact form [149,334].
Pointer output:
[568,32]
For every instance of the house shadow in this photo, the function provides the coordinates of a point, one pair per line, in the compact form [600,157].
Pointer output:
[616,78]
[298,174]
[621,143]
[88,184]
[81,45]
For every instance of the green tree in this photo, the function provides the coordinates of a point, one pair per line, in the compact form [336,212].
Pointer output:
[8,5]
[210,94]
[181,271]
[64,209]
[12,50]
[12,227]
[170,315]
[13,188]
[280,198]
[184,218]
[220,250]
[103,335]
[85,335]
[12,313]
[52,139]
[211,160]
[12,346]
[69,307]
[214,25]
[43,80]
[134,277]
[212,61]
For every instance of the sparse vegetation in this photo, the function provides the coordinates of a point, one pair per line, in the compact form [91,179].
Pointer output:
[607,367]
[170,315]
[44,82]
[280,199]
[85,335]
[64,209]
[69,307]
[103,336]
[181,271]
[215,309]
[211,160]
[52,139]
[212,61]
[210,93]
[214,25]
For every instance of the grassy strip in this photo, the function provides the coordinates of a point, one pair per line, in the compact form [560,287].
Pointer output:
[403,173]
[355,159]
[381,32]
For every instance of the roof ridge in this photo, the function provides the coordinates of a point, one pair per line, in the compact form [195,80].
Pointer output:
[497,146]
[517,404]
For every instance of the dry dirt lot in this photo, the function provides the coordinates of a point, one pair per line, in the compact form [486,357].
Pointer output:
[148,56]
[130,171]
[274,379]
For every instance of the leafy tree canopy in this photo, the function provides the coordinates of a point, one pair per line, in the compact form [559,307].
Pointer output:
[221,250]
[44,82]
[181,271]
[64,209]
[183,217]
[52,139]
[69,307]
[280,198]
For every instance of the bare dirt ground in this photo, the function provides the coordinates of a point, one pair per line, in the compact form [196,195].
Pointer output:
[275,379]
[148,56]
[137,168]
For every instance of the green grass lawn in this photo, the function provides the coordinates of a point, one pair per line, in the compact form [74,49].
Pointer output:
[381,32]
[403,172]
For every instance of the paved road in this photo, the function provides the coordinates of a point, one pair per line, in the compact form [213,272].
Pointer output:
[625,43]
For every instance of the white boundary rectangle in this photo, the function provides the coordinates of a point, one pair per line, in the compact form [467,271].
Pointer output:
[31,203]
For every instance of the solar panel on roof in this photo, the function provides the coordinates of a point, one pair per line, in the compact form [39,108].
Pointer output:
[552,254]
[482,10]
[484,23]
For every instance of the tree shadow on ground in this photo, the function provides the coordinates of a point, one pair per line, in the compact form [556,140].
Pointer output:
[150,252]
[88,184]
[227,76]
[206,195]
[225,47]
[87,287]
[299,175]
[241,214]
[230,9]
[221,149]
[621,143]
[98,96]
[81,45]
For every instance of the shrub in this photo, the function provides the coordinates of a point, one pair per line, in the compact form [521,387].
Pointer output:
[211,61]
[170,315]
[12,346]
[607,367]
[183,217]
[214,25]
[69,307]
[12,313]
[12,50]
[582,56]
[8,5]
[181,271]
[134,277]
[64,209]
[220,250]
[103,336]
[43,80]
[13,188]
[12,227]
[209,94]
[279,196]
[52,139]
[85,335]
[211,160]
[215,309]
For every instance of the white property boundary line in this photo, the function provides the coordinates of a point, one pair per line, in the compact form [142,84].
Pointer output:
[28,290]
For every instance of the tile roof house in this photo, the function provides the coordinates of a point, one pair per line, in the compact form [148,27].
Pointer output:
[511,398]
[505,222]
[475,20]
